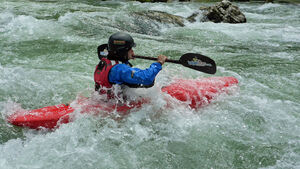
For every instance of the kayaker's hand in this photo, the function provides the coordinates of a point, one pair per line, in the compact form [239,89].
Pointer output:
[161,59]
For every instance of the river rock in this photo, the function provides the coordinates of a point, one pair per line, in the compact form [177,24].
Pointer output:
[162,17]
[224,11]
[192,18]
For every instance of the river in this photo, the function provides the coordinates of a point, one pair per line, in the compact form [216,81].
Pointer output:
[48,55]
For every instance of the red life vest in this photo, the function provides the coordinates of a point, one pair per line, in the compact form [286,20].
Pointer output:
[101,76]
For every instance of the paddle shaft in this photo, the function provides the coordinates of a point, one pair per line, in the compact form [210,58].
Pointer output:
[191,60]
[151,58]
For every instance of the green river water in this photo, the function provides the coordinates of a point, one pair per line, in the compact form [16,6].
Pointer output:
[48,55]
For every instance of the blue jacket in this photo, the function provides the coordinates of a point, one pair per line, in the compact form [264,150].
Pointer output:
[123,73]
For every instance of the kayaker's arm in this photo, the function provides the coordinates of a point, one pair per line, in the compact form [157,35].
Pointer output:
[123,73]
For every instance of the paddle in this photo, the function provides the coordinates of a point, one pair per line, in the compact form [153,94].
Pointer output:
[191,60]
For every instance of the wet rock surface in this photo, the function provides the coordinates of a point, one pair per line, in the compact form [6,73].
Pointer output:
[162,17]
[225,12]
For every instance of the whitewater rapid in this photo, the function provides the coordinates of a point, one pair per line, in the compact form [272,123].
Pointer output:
[48,55]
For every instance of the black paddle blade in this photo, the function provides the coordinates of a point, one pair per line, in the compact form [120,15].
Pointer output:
[198,62]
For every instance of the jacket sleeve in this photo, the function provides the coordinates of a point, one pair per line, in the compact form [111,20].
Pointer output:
[122,73]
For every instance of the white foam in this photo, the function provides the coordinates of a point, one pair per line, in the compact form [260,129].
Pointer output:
[283,55]
[268,6]
[296,75]
[23,27]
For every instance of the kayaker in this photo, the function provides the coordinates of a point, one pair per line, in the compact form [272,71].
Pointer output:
[114,68]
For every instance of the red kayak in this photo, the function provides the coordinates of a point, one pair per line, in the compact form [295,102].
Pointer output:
[195,92]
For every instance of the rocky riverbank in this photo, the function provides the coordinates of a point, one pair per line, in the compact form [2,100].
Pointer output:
[224,11]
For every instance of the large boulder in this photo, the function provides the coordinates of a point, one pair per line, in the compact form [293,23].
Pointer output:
[224,11]
[161,17]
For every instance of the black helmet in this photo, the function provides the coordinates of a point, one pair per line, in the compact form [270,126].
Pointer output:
[120,43]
